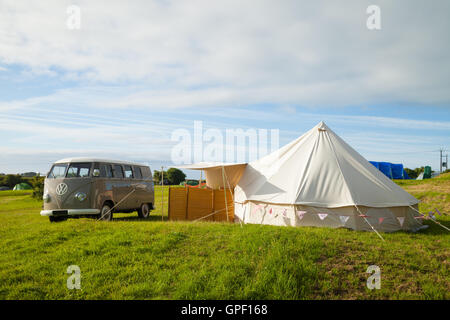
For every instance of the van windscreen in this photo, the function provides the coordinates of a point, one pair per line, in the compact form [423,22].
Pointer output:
[58,171]
[79,170]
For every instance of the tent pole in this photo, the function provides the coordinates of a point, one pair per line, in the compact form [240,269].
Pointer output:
[201,177]
[225,190]
[232,195]
[162,193]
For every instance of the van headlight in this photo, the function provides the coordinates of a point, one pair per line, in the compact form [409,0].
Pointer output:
[46,197]
[80,196]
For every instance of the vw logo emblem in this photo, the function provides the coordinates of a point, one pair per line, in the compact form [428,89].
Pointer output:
[61,189]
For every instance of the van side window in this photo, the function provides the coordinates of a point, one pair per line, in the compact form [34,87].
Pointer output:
[146,172]
[106,171]
[137,173]
[109,170]
[78,170]
[128,172]
[118,171]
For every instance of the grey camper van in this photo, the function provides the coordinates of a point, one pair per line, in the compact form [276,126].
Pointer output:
[80,187]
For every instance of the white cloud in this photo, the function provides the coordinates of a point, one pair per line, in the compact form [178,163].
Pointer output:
[308,53]
[152,66]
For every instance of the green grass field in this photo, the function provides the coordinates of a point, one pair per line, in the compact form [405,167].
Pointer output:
[131,258]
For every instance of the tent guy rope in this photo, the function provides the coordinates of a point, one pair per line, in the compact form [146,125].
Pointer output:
[437,222]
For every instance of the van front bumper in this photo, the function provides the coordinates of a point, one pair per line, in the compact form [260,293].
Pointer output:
[69,212]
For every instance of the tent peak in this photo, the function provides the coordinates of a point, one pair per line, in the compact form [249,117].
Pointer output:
[321,126]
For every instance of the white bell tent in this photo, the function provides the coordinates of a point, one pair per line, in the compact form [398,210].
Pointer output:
[319,180]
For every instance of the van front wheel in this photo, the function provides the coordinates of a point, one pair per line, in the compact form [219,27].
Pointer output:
[144,211]
[106,213]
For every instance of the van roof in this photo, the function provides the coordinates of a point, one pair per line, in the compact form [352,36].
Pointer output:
[81,159]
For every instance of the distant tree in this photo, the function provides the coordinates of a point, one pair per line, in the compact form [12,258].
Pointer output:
[411,173]
[175,176]
[37,183]
[11,180]
[157,177]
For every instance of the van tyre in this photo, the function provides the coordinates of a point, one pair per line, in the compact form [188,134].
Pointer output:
[56,219]
[106,213]
[144,211]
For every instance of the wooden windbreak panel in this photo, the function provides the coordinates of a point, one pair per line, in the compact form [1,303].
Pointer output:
[177,203]
[194,203]
[200,204]
[219,204]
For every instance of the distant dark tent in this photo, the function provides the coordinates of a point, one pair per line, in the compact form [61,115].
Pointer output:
[385,167]
[391,170]
[375,164]
[397,171]
[22,186]
[427,172]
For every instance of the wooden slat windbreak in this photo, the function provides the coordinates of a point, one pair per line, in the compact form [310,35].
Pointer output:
[177,203]
[219,204]
[200,204]
[194,203]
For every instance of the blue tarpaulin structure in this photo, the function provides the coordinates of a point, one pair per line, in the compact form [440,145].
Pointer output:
[391,170]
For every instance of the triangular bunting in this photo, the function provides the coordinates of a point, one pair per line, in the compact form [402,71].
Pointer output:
[301,214]
[380,220]
[255,209]
[270,211]
[401,220]
[322,215]
[344,219]
[285,213]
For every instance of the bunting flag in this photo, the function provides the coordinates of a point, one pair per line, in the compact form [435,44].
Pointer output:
[380,220]
[256,208]
[300,214]
[363,216]
[270,211]
[437,211]
[344,219]
[285,213]
[322,215]
[401,220]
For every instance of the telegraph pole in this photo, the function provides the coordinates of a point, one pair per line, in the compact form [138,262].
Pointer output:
[443,164]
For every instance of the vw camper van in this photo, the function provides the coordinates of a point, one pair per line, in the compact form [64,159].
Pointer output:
[80,187]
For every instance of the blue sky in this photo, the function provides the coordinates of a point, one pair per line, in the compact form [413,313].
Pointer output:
[132,75]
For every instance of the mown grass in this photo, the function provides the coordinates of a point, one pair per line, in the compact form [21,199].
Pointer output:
[131,258]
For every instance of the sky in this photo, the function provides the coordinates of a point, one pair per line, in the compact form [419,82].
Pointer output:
[135,72]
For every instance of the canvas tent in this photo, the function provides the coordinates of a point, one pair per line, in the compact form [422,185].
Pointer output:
[319,180]
[219,175]
[22,186]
